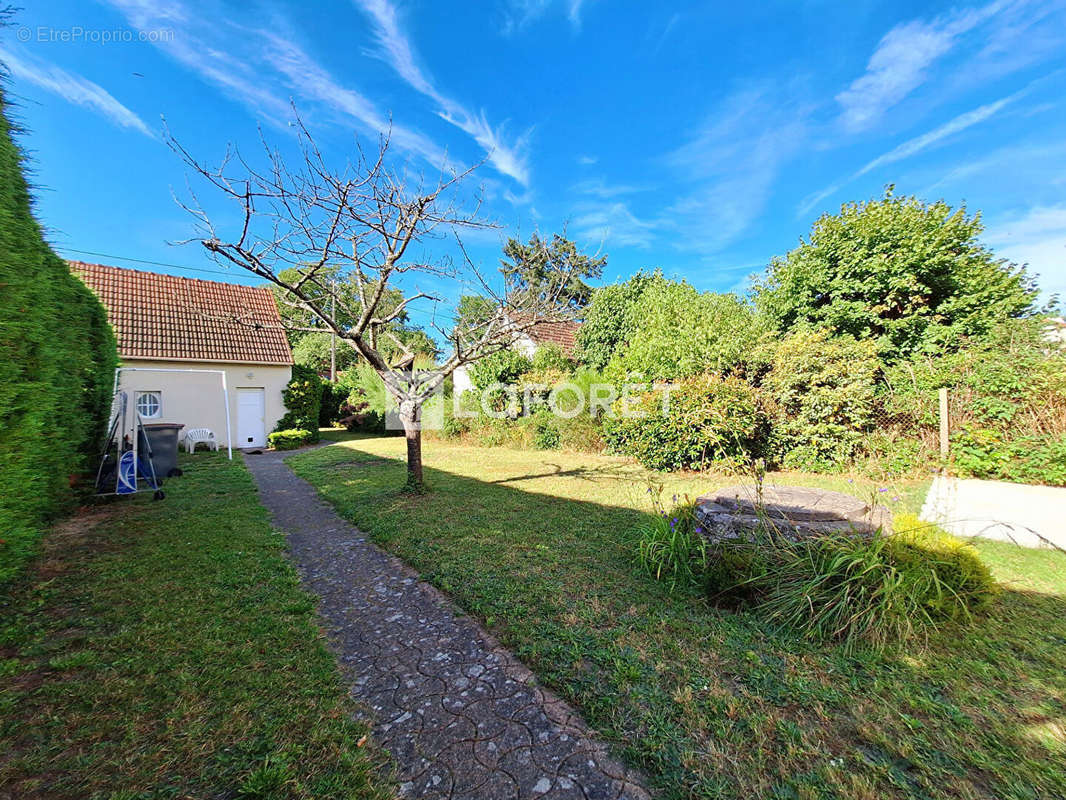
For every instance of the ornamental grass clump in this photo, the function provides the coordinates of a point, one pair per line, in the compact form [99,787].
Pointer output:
[672,546]
[854,589]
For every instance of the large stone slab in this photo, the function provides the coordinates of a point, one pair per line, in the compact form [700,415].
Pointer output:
[794,511]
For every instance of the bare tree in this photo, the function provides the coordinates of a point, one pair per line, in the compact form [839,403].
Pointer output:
[362,223]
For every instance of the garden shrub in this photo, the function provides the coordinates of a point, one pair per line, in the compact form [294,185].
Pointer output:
[710,420]
[823,389]
[551,357]
[57,362]
[945,572]
[303,400]
[678,331]
[608,322]
[290,439]
[503,367]
[545,431]
[995,455]
[581,433]
[329,404]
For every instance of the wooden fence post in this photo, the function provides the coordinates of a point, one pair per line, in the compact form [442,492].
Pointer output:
[944,422]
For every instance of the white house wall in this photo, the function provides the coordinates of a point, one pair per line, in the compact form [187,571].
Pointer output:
[195,399]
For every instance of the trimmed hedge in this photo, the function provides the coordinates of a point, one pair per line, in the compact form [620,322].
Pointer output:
[290,439]
[57,362]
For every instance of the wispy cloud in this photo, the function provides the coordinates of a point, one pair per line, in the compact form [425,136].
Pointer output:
[612,223]
[587,161]
[262,69]
[520,13]
[509,158]
[730,166]
[912,147]
[902,61]
[598,187]
[72,88]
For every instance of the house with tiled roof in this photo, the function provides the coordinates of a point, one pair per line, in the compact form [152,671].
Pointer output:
[178,338]
[562,334]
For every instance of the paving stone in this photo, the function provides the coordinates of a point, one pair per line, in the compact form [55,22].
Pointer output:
[462,718]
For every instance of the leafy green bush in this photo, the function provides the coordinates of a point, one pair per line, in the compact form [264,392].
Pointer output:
[672,546]
[912,276]
[678,331]
[824,390]
[57,362]
[608,323]
[709,420]
[988,453]
[290,439]
[303,401]
[503,367]
[545,432]
[551,356]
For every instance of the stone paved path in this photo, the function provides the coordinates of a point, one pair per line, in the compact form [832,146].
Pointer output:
[460,715]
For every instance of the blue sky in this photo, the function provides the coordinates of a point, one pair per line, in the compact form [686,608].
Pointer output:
[703,138]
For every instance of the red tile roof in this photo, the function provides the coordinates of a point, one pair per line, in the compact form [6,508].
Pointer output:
[563,334]
[167,318]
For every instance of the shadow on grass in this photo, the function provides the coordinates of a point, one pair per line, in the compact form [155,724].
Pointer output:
[713,703]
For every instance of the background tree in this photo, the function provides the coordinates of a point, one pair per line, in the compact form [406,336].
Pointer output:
[304,227]
[608,323]
[911,275]
[555,269]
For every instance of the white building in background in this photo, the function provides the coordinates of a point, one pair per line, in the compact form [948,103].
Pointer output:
[562,334]
[164,323]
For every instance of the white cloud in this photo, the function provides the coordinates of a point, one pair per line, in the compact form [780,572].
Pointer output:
[521,13]
[72,88]
[912,147]
[1037,238]
[728,169]
[597,187]
[587,161]
[901,63]
[262,68]
[613,224]
[395,48]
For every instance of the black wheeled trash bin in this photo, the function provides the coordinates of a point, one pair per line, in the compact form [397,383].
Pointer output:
[163,437]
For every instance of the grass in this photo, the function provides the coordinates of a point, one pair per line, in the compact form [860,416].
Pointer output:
[166,650]
[541,546]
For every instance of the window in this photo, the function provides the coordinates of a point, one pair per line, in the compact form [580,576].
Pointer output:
[149,405]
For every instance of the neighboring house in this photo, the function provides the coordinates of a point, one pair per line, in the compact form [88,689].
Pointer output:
[562,334]
[167,323]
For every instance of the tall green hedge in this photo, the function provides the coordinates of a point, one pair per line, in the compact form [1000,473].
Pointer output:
[57,362]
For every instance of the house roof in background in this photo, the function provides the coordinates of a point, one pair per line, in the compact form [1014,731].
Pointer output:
[563,334]
[168,318]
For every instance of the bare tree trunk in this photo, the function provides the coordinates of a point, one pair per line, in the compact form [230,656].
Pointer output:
[412,431]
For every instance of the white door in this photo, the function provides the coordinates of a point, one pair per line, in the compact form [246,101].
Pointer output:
[251,418]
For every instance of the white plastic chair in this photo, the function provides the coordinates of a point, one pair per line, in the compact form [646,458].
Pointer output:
[197,435]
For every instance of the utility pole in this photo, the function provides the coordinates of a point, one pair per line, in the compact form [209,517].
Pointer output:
[333,334]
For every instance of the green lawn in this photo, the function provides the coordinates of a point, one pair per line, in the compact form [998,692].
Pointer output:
[166,650]
[540,546]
